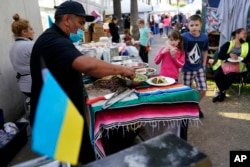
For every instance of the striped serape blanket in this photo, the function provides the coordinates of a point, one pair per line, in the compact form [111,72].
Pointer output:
[171,105]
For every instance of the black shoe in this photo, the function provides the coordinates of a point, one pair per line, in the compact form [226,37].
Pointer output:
[223,95]
[220,97]
[216,98]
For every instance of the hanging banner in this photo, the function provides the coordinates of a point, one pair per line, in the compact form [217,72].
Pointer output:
[212,22]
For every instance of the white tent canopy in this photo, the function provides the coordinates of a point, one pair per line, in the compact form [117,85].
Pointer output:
[164,8]
[125,6]
[191,8]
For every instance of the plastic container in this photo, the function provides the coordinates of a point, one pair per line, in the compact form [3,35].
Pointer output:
[8,151]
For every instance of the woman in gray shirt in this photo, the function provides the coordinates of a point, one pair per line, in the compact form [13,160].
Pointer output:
[20,52]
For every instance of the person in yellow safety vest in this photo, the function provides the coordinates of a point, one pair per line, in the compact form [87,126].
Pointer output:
[231,49]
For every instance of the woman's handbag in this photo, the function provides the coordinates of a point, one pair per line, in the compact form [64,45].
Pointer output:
[229,67]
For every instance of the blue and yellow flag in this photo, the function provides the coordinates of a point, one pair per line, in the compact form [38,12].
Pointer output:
[58,126]
[50,22]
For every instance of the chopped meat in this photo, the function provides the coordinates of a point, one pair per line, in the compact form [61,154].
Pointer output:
[112,84]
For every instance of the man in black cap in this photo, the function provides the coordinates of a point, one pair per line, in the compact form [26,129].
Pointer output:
[55,47]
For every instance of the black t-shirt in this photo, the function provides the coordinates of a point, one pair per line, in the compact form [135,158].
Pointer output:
[58,52]
[114,31]
[127,23]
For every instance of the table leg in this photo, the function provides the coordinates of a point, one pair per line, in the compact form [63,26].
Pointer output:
[117,139]
[184,130]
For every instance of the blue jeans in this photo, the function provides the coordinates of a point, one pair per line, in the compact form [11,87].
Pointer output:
[166,30]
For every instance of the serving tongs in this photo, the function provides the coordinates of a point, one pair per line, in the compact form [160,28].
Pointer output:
[120,94]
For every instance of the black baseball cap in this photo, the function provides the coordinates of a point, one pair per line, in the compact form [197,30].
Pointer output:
[72,7]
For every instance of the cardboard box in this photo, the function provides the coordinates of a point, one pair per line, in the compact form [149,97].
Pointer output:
[8,151]
[98,25]
[87,37]
[98,28]
[96,36]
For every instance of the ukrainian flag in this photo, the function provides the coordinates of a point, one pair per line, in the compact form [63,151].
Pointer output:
[50,22]
[58,126]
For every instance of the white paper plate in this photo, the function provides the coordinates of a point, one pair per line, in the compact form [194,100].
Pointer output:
[169,81]
[235,61]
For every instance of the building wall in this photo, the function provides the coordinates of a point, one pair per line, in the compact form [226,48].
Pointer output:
[11,100]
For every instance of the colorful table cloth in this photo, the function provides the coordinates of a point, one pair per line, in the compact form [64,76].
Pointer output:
[169,104]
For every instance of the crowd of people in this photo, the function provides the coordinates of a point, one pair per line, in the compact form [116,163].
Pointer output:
[184,52]
[164,23]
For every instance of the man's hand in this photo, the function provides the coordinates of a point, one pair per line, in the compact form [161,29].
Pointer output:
[128,72]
